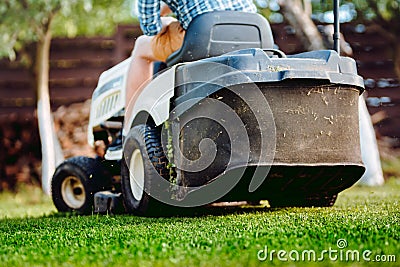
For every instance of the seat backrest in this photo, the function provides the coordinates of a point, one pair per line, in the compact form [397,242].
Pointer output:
[216,33]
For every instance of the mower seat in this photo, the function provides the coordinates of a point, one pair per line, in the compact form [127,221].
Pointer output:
[216,33]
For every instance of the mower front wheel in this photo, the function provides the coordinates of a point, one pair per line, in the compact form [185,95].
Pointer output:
[75,182]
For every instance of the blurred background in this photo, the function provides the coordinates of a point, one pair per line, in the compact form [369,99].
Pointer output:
[61,47]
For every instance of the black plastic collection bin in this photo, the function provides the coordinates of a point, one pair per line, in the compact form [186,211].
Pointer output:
[306,136]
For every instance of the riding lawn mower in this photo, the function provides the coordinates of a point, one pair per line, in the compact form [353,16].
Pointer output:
[228,118]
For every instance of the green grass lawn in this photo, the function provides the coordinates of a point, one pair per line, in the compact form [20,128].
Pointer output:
[32,234]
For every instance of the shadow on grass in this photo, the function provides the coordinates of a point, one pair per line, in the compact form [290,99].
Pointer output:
[171,212]
[218,209]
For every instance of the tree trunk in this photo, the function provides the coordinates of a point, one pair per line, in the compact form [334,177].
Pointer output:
[51,148]
[307,6]
[305,28]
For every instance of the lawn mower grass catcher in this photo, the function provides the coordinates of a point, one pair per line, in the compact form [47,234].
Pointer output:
[231,119]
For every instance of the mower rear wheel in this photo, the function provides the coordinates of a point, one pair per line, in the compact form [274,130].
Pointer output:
[144,162]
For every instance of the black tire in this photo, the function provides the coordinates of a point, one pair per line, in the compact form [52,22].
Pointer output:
[76,181]
[143,154]
[301,201]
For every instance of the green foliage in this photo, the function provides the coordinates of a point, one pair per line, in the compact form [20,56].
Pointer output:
[96,17]
[386,9]
[25,21]
[366,217]
[361,10]
[270,9]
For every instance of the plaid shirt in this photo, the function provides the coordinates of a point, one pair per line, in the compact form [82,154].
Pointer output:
[185,11]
